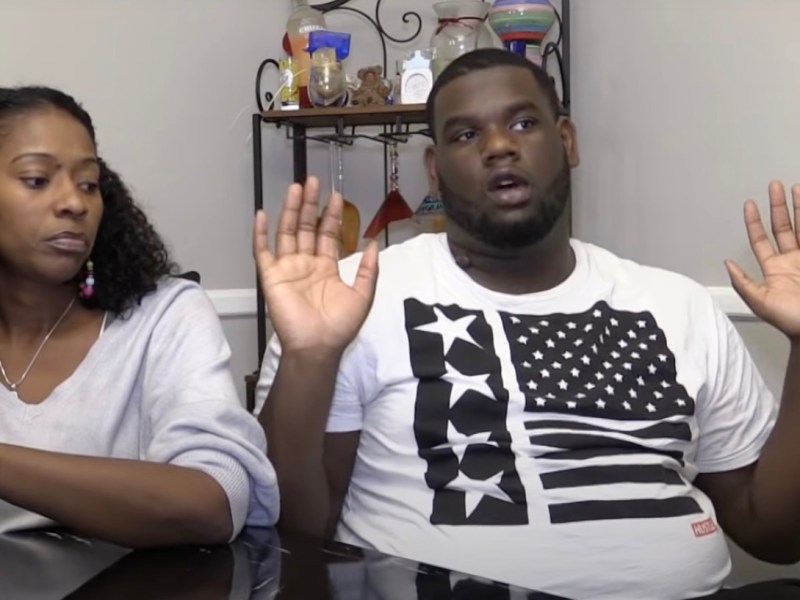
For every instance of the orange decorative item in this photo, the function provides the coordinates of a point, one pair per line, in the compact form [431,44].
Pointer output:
[431,213]
[351,227]
[394,208]
[351,218]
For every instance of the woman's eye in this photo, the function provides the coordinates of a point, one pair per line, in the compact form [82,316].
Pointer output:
[34,183]
[89,187]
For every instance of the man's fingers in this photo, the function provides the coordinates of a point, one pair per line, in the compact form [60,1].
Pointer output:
[782,229]
[759,240]
[288,222]
[330,230]
[367,275]
[261,252]
[309,215]
[748,289]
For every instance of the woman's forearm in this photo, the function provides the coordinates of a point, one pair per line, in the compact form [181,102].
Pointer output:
[128,502]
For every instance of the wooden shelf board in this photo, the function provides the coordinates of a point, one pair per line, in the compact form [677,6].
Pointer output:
[350,115]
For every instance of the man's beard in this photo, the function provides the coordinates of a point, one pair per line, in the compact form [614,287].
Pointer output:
[551,202]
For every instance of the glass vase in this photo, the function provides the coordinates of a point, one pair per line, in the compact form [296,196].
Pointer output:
[461,28]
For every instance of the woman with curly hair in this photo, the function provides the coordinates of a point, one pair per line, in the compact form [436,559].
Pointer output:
[119,417]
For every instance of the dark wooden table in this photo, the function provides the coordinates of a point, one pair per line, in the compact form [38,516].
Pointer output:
[262,564]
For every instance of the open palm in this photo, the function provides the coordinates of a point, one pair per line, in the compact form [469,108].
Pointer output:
[309,305]
[777,298]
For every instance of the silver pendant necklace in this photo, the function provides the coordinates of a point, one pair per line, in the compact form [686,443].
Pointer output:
[14,385]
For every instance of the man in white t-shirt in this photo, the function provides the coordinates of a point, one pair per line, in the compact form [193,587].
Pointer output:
[514,404]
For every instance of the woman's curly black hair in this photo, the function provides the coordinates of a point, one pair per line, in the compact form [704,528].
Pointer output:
[129,257]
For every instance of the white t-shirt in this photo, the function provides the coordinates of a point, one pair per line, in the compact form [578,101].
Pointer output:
[547,440]
[155,386]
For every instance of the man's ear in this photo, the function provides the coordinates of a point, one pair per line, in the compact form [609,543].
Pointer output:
[569,137]
[431,171]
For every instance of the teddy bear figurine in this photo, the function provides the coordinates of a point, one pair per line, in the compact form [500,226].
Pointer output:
[373,89]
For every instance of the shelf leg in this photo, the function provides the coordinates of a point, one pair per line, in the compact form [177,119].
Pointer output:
[300,154]
[565,53]
[258,202]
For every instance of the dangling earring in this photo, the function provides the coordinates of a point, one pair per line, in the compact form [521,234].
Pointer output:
[87,287]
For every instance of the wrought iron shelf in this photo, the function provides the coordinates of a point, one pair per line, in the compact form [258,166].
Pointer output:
[395,123]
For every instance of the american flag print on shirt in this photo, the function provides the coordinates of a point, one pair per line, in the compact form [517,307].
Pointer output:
[460,418]
[602,407]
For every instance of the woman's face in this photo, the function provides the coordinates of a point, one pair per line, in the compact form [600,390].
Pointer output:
[50,203]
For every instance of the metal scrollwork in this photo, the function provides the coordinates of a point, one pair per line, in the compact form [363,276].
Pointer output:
[554,48]
[409,17]
[558,49]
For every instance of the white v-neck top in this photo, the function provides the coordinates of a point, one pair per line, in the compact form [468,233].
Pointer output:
[155,386]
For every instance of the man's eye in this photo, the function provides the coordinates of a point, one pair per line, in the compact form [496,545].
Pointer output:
[465,136]
[524,124]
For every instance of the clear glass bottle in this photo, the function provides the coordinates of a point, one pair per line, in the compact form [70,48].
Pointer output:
[303,20]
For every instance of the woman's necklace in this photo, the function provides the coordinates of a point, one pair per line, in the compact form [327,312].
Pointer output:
[14,385]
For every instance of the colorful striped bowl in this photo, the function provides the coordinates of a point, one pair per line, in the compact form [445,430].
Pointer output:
[521,23]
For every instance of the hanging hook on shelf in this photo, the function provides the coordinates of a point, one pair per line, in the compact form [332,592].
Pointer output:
[348,139]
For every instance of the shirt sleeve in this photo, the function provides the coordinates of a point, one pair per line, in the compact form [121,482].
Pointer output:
[192,414]
[350,393]
[736,411]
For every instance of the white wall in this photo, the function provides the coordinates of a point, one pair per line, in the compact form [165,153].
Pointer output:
[684,109]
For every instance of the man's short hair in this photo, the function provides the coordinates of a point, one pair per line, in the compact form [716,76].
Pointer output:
[487,58]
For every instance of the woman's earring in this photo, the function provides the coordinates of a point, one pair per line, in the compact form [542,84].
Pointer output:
[87,287]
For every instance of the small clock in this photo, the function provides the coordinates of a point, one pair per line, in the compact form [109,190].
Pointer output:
[416,80]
